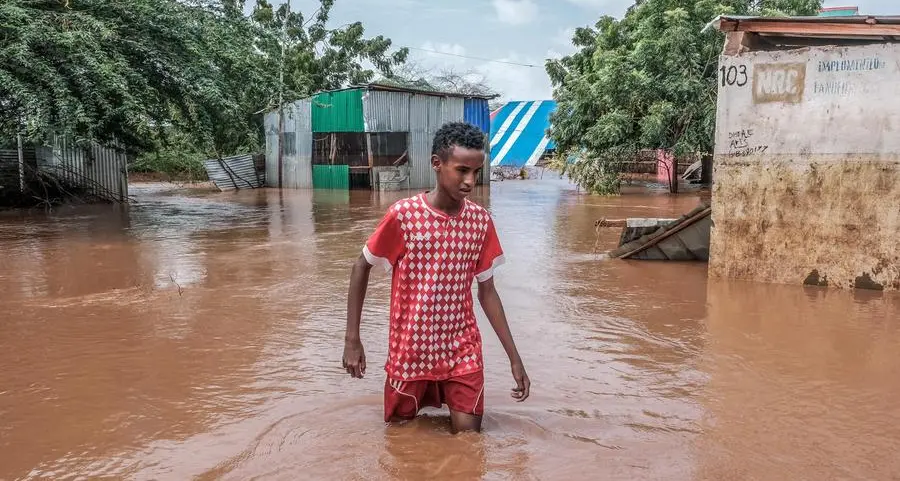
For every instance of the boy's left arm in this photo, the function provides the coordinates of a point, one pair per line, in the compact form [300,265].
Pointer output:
[493,308]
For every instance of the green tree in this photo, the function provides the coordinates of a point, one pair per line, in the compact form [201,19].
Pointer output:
[106,71]
[317,57]
[181,79]
[647,81]
[293,56]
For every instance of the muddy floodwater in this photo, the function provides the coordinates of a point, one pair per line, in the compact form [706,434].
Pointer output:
[198,335]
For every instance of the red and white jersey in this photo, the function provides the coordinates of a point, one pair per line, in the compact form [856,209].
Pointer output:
[433,258]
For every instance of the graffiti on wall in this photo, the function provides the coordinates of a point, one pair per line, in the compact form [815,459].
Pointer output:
[820,100]
[740,144]
[779,82]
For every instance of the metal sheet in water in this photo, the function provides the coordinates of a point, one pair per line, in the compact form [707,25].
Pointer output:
[235,172]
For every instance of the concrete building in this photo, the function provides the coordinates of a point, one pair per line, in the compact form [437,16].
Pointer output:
[806,182]
[373,137]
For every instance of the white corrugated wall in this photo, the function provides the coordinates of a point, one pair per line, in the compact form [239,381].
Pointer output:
[271,125]
[421,116]
[297,169]
[386,111]
[298,166]
[427,114]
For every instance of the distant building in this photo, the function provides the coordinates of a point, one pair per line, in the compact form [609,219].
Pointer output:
[806,186]
[372,137]
[838,11]
[519,133]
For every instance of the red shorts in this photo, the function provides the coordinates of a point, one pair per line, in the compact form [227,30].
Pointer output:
[403,400]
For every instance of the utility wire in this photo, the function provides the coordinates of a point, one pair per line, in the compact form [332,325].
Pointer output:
[475,58]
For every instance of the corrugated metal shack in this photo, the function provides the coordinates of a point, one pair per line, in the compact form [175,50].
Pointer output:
[90,172]
[373,136]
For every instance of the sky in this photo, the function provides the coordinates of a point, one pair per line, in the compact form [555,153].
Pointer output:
[519,31]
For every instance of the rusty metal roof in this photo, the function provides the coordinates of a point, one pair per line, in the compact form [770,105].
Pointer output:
[877,27]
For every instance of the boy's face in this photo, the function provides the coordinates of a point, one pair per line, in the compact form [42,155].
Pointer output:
[458,174]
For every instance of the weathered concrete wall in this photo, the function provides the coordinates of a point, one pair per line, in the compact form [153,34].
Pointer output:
[807,167]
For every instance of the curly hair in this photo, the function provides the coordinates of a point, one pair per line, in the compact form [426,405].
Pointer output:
[460,134]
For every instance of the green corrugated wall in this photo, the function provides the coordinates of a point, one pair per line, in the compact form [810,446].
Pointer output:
[340,111]
[331,176]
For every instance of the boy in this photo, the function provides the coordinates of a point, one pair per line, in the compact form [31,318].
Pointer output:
[435,243]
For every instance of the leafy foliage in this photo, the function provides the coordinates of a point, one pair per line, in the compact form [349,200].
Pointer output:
[647,81]
[111,70]
[318,57]
[190,78]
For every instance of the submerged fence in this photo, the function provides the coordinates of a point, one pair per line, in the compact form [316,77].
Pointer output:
[87,172]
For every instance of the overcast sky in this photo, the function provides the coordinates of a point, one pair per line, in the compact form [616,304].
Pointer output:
[521,31]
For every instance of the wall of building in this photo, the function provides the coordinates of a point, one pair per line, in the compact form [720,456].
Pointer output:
[270,125]
[338,111]
[477,112]
[807,167]
[421,116]
[297,170]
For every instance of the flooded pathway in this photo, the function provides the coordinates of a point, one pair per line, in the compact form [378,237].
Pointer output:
[199,336]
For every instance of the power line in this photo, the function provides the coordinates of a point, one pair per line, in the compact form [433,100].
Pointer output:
[475,58]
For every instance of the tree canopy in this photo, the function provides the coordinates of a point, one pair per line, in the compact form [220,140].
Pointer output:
[137,72]
[647,81]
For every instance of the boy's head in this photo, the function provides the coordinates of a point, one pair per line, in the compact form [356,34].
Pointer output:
[457,158]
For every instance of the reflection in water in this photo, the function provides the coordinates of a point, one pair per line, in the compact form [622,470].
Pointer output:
[199,335]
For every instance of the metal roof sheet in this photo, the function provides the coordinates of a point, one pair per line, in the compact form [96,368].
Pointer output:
[811,23]
[519,132]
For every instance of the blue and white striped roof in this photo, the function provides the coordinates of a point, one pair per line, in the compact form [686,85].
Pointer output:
[519,133]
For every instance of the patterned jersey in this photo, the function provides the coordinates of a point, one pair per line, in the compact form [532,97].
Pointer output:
[433,258]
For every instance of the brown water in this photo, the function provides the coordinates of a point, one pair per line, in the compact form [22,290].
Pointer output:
[199,336]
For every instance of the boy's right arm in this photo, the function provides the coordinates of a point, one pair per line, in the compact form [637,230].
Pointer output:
[354,355]
[384,248]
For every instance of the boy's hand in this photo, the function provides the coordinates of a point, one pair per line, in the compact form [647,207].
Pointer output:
[523,384]
[354,358]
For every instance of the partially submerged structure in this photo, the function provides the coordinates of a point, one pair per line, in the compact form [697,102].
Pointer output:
[373,136]
[243,171]
[519,133]
[807,155]
[62,171]
[682,239]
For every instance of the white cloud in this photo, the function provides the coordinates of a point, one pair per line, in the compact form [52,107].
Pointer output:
[515,82]
[555,54]
[615,8]
[516,12]
[590,3]
[564,36]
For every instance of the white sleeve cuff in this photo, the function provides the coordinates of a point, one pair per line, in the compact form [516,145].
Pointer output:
[377,261]
[489,272]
